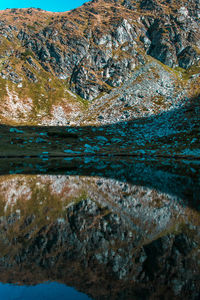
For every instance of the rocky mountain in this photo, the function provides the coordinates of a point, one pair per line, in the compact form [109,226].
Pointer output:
[106,61]
[113,78]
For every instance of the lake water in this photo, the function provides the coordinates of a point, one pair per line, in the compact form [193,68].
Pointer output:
[99,228]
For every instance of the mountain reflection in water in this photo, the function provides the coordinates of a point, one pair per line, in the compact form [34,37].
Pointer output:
[111,228]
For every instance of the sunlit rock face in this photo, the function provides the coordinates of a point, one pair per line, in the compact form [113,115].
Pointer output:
[109,238]
[53,65]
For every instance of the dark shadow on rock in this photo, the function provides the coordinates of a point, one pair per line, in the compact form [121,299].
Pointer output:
[170,134]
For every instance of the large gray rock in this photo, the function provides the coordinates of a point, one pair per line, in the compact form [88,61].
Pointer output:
[187,57]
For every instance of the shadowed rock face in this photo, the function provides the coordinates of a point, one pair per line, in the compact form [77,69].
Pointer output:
[173,133]
[51,60]
[110,238]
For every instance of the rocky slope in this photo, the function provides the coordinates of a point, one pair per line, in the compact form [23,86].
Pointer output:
[105,61]
[173,133]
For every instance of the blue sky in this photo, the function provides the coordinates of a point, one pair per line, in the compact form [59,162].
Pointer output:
[51,5]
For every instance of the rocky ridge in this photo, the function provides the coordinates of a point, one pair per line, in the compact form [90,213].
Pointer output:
[57,68]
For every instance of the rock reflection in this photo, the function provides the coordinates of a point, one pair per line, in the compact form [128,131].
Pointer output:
[108,237]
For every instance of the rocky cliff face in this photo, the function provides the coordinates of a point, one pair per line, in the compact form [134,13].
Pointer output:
[50,63]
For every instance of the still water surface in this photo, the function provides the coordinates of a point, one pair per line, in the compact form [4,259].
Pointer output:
[109,228]
[50,291]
